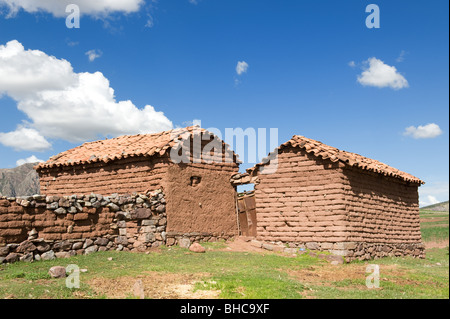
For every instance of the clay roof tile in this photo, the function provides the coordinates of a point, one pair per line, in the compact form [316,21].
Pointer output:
[123,147]
[317,149]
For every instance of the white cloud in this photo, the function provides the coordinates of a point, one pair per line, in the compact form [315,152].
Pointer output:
[97,8]
[352,64]
[93,54]
[431,130]
[241,67]
[432,200]
[31,159]
[25,139]
[62,104]
[433,192]
[401,56]
[150,23]
[381,75]
[72,43]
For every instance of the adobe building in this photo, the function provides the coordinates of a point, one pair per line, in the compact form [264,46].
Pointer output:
[179,187]
[315,196]
[199,197]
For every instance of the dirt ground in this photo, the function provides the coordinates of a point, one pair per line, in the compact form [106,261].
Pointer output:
[436,244]
[157,285]
[243,244]
[154,285]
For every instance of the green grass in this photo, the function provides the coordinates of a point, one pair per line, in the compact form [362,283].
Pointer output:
[413,279]
[432,229]
[238,275]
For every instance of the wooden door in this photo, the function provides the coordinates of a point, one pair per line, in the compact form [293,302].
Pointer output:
[247,214]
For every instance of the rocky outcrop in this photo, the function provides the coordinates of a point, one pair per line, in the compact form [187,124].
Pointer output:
[20,181]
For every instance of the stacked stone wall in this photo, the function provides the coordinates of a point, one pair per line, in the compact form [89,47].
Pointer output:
[44,227]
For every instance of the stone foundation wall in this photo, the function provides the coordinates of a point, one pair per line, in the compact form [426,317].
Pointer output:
[185,239]
[355,250]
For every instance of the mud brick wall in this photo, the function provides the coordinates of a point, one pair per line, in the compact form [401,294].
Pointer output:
[199,195]
[315,204]
[123,176]
[206,205]
[381,210]
[303,201]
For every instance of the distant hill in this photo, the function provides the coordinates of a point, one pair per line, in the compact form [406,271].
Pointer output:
[439,207]
[19,181]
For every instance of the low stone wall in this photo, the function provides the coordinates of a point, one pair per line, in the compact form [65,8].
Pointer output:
[46,227]
[41,249]
[358,250]
[185,239]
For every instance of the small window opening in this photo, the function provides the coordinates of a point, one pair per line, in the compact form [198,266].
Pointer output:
[195,181]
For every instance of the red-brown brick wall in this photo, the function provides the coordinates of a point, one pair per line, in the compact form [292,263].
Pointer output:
[121,176]
[313,200]
[303,201]
[16,221]
[207,208]
[381,209]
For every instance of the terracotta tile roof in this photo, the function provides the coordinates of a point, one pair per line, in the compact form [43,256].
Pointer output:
[351,159]
[123,147]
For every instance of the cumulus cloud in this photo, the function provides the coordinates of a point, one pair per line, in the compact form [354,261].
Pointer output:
[431,130]
[31,159]
[433,192]
[63,104]
[57,8]
[379,74]
[241,67]
[25,139]
[93,54]
[432,200]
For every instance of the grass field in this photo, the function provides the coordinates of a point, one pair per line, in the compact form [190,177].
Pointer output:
[221,273]
[434,226]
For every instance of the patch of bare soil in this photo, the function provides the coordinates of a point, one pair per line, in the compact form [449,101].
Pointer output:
[328,275]
[433,219]
[436,244]
[155,285]
[243,244]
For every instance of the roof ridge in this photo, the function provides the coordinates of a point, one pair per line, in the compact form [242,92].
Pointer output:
[320,149]
[123,146]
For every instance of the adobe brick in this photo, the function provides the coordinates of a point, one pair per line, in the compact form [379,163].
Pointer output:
[4,203]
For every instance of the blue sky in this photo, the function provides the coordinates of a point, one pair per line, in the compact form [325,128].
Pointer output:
[314,69]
